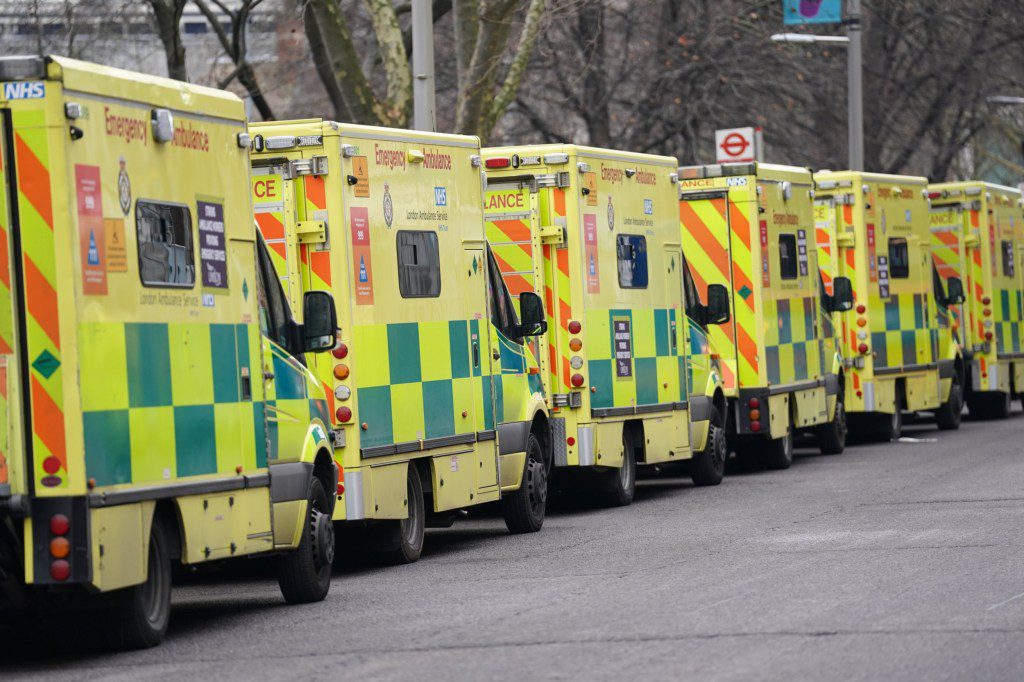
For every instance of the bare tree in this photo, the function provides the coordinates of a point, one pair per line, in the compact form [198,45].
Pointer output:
[167,18]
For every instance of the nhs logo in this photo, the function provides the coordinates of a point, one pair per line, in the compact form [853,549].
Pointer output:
[440,196]
[24,90]
[648,207]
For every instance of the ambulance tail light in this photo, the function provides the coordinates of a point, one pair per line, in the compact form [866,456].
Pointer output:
[60,547]
[861,309]
[344,414]
[753,403]
[755,426]
[933,195]
[755,415]
[498,162]
[863,349]
[988,336]
[342,393]
[340,351]
[575,345]
[341,372]
[575,327]
[59,524]
[986,300]
[577,380]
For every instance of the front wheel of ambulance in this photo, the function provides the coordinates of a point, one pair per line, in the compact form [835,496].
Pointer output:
[947,417]
[139,615]
[708,465]
[524,509]
[832,436]
[620,483]
[403,540]
[304,574]
[780,452]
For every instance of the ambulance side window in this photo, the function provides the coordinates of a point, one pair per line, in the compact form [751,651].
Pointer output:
[899,259]
[787,256]
[274,313]
[503,313]
[1007,258]
[164,231]
[419,264]
[631,252]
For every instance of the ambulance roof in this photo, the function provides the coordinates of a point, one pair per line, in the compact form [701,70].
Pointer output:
[870,177]
[321,126]
[587,152]
[765,171]
[964,184]
[107,82]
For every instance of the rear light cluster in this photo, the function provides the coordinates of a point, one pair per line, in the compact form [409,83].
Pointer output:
[575,345]
[342,393]
[60,547]
[754,414]
[862,334]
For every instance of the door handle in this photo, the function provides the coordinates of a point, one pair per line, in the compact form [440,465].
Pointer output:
[268,375]
[496,354]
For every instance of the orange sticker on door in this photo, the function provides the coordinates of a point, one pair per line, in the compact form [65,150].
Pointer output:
[362,176]
[362,270]
[590,241]
[92,239]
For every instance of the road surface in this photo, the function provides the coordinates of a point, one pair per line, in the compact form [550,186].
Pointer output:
[894,561]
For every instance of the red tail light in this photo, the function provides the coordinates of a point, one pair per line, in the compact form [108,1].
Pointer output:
[862,349]
[59,524]
[51,465]
[577,380]
[575,327]
[753,403]
[861,309]
[498,162]
[755,426]
[60,570]
[344,414]
[340,351]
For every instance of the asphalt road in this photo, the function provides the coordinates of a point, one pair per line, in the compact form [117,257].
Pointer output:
[895,561]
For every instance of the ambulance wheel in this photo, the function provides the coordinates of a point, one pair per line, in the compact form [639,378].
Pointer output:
[139,615]
[304,574]
[890,426]
[832,436]
[708,465]
[524,509]
[403,541]
[947,417]
[779,453]
[620,482]
[991,406]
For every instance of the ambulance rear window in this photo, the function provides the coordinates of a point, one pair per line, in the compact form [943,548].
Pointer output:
[631,250]
[899,259]
[165,244]
[419,265]
[1007,258]
[787,256]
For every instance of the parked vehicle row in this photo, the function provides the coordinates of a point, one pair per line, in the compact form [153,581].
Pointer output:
[322,337]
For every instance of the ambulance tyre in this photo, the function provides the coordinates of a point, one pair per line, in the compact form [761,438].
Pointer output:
[138,616]
[403,540]
[304,574]
[991,406]
[947,417]
[890,426]
[832,436]
[620,482]
[779,453]
[708,466]
[524,509]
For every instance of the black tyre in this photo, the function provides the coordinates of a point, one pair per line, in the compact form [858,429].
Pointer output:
[991,406]
[525,508]
[137,617]
[708,465]
[890,426]
[403,540]
[948,416]
[832,436]
[304,574]
[620,483]
[779,453]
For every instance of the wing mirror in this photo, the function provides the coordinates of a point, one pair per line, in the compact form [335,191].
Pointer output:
[320,322]
[531,315]
[842,294]
[717,308]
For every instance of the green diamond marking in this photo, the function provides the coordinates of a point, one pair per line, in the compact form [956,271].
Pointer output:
[245,290]
[474,264]
[46,364]
[745,292]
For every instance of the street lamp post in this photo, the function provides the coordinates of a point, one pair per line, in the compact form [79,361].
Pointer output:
[854,59]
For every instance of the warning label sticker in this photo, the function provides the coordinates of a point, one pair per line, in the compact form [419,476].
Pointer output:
[362,270]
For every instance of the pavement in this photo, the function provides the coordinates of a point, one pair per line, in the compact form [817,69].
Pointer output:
[898,561]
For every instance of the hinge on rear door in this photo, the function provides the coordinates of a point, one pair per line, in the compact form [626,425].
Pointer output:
[316,165]
[311,231]
[845,239]
[552,234]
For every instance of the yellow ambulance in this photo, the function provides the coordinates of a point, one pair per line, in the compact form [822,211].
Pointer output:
[978,238]
[897,342]
[155,403]
[751,226]
[435,402]
[594,233]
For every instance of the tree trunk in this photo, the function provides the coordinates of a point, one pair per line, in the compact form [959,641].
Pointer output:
[590,20]
[168,22]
